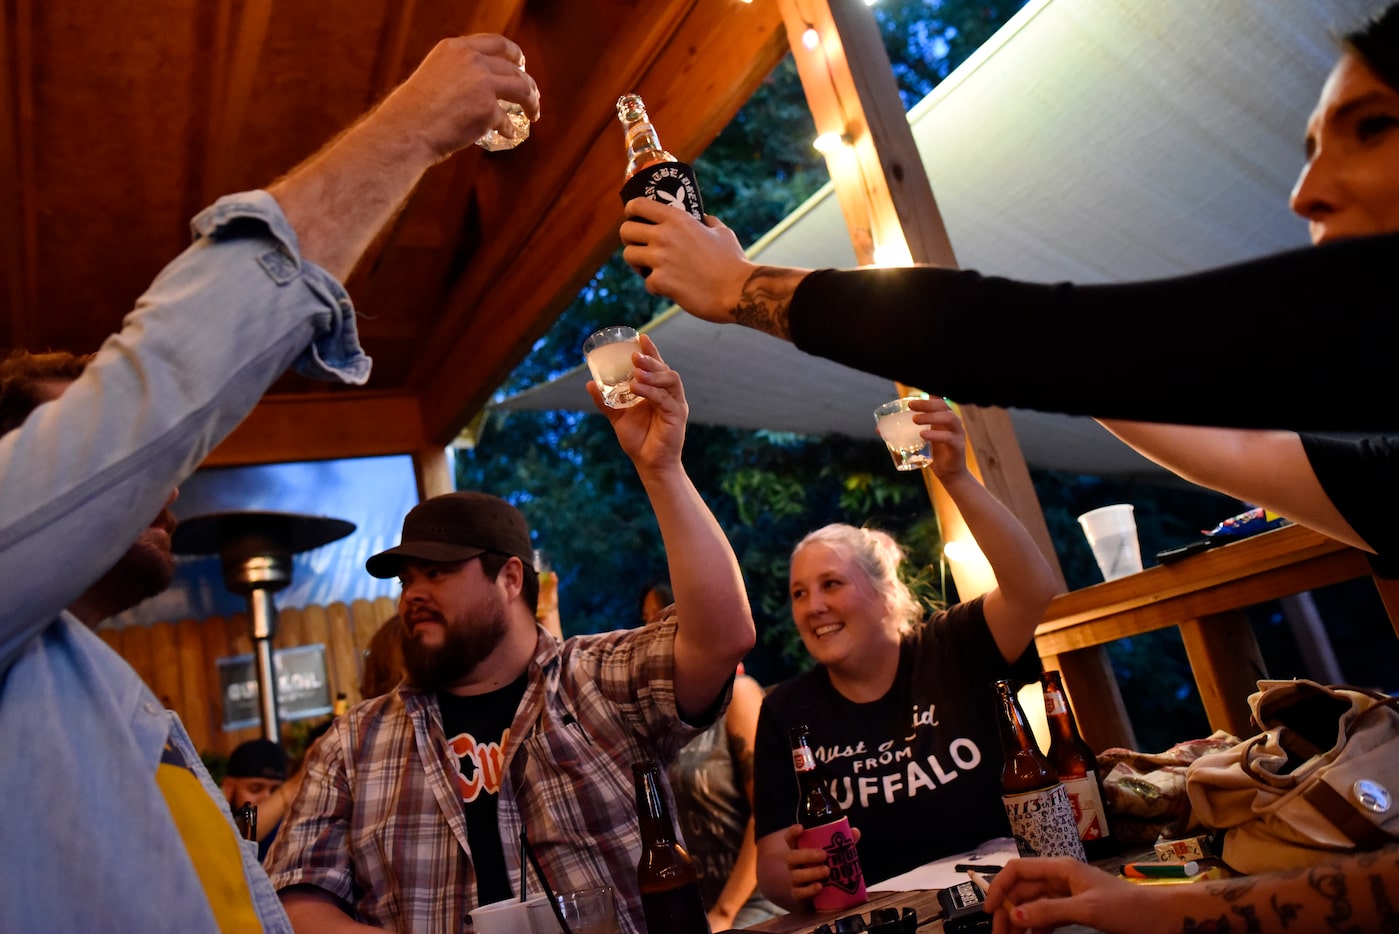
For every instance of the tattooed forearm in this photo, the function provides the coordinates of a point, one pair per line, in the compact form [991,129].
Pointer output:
[1330,884]
[765,299]
[1384,906]
[1249,914]
[1285,912]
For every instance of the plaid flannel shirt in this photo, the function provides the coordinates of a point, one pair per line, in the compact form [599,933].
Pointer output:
[379,825]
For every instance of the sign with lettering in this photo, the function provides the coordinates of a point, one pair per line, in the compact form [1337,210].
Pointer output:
[303,690]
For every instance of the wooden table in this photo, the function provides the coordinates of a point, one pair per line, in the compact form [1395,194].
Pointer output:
[924,902]
[1203,595]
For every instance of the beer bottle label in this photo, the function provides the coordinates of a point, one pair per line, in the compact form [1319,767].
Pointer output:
[1054,703]
[802,759]
[671,183]
[846,885]
[1087,806]
[1042,823]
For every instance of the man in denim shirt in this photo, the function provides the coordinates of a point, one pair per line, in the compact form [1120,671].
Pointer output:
[107,823]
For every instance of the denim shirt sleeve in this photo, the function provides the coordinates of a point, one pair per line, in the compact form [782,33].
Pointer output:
[84,474]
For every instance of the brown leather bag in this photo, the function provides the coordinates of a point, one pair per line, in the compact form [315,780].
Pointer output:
[1321,778]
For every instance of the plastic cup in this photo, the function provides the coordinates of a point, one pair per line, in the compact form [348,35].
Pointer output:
[590,911]
[1112,534]
[894,422]
[608,353]
[513,916]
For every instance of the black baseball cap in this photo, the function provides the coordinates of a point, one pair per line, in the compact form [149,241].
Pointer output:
[455,527]
[258,758]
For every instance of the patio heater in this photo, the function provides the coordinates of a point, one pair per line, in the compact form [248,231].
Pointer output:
[256,549]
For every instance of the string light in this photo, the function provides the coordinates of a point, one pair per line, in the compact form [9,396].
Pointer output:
[893,254]
[960,551]
[828,143]
[810,37]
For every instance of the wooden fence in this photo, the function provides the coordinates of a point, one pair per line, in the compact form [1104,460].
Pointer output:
[179,661]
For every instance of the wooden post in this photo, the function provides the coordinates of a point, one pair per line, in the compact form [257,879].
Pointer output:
[888,204]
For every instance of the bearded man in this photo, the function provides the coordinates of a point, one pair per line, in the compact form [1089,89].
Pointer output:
[416,805]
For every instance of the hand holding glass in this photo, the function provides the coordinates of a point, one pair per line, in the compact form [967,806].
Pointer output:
[609,360]
[894,421]
[495,141]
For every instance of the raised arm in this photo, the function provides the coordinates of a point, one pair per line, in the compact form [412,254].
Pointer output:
[1354,892]
[1024,581]
[702,268]
[340,198]
[715,625]
[1265,468]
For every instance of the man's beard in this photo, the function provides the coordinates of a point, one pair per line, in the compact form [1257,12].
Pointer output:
[467,640]
[144,570]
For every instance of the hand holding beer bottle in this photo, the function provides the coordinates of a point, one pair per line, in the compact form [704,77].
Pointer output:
[825,827]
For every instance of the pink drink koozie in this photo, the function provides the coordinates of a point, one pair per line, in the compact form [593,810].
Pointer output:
[846,886]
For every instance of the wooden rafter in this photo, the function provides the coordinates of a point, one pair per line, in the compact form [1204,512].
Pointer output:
[18,231]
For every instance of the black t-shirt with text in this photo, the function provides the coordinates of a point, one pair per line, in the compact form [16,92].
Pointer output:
[477,728]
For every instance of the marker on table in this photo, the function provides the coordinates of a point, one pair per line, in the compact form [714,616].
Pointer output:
[984,884]
[1154,870]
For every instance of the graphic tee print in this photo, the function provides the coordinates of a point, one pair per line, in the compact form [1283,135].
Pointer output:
[477,730]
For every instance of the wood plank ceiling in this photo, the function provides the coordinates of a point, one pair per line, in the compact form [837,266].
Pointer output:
[120,120]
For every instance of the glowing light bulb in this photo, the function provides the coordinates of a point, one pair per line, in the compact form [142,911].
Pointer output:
[959,551]
[828,143]
[892,254]
[810,37]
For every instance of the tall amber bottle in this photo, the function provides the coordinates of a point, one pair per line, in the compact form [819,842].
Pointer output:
[665,875]
[651,171]
[1078,770]
[1036,803]
[825,827]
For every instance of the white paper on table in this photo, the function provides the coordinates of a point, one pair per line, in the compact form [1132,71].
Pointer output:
[939,874]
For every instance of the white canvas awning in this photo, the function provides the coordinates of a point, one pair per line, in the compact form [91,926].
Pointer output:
[1089,140]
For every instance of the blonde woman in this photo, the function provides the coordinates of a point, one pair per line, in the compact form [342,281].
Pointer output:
[900,705]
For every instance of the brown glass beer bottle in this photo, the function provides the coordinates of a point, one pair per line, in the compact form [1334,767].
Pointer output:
[1078,770]
[651,171]
[665,875]
[825,827]
[1036,803]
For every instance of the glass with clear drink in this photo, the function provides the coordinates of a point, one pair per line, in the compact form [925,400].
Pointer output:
[608,353]
[894,422]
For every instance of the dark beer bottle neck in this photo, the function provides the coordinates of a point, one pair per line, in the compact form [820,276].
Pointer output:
[651,806]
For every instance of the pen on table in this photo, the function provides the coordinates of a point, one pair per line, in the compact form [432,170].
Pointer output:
[986,869]
[984,883]
[1150,870]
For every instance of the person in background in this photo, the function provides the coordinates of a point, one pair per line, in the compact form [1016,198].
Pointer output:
[900,705]
[256,771]
[91,452]
[383,660]
[655,598]
[415,802]
[712,782]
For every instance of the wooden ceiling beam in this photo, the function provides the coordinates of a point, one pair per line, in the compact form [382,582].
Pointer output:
[18,224]
[887,199]
[717,56]
[534,187]
[354,423]
[235,62]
